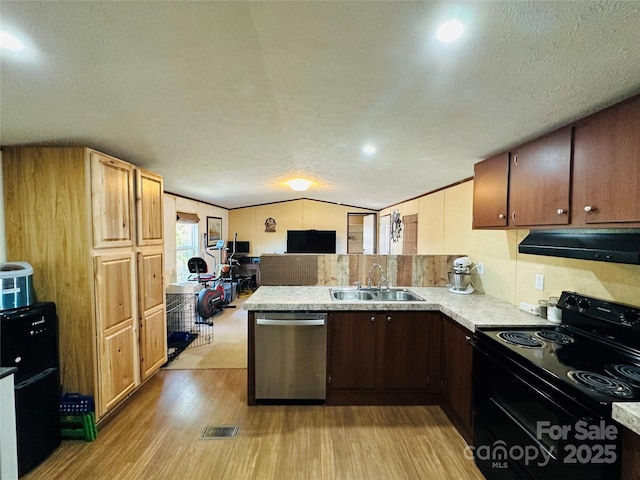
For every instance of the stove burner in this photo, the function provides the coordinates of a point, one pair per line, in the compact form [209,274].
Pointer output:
[521,339]
[628,373]
[601,383]
[555,337]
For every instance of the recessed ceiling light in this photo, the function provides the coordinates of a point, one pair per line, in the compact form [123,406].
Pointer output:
[450,31]
[369,149]
[299,184]
[9,41]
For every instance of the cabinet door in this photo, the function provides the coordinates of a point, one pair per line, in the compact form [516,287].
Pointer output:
[490,190]
[111,201]
[353,347]
[117,377]
[149,188]
[539,179]
[410,351]
[151,310]
[606,168]
[117,352]
[457,358]
[153,342]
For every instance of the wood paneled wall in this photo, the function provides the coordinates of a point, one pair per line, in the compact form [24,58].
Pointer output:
[333,270]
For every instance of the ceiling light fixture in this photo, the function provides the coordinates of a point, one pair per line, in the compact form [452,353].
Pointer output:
[450,31]
[299,184]
[10,42]
[369,150]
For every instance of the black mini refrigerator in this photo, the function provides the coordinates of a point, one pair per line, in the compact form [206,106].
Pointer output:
[29,341]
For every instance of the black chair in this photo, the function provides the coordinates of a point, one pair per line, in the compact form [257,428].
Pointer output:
[198,266]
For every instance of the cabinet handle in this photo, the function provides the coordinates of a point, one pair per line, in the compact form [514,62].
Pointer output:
[515,159]
[373,319]
[590,208]
[389,318]
[513,215]
[502,215]
[561,211]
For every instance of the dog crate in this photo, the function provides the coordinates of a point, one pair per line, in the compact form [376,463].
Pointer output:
[185,328]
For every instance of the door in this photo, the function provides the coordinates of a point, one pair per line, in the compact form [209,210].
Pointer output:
[116,349]
[490,191]
[149,190]
[111,201]
[410,358]
[539,178]
[353,343]
[607,166]
[361,233]
[151,311]
[410,236]
[457,358]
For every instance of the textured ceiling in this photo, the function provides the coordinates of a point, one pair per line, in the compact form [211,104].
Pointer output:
[227,100]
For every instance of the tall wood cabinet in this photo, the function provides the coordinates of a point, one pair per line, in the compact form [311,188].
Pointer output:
[91,226]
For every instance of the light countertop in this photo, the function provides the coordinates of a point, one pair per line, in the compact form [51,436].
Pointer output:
[470,311]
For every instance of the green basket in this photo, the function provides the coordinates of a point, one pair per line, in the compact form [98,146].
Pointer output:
[79,427]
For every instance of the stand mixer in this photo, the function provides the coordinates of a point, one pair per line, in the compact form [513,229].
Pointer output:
[460,278]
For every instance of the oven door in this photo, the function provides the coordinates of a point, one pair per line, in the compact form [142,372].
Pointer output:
[525,428]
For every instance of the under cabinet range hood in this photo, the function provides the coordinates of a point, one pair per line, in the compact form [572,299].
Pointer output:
[604,245]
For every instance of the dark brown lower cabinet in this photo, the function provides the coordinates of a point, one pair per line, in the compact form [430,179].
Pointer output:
[630,455]
[383,358]
[457,357]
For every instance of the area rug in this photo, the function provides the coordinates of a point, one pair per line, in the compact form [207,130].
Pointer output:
[228,348]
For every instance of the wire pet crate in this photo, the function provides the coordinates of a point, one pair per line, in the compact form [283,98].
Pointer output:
[185,328]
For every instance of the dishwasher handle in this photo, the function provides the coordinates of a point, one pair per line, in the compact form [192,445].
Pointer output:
[291,323]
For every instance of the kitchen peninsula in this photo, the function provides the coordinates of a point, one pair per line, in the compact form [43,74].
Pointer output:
[455,315]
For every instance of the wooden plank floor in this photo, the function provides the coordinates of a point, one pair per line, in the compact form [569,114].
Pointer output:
[158,435]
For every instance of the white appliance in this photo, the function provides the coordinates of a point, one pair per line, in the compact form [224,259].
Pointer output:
[460,278]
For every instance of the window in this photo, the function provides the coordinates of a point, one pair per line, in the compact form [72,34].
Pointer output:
[186,248]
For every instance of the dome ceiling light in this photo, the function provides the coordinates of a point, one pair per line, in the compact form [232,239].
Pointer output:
[450,31]
[299,184]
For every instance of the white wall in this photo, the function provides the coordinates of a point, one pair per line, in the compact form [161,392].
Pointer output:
[174,204]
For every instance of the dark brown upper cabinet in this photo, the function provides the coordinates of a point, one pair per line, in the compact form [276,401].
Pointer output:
[490,190]
[539,181]
[606,178]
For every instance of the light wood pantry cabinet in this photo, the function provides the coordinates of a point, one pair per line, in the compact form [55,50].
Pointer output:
[71,213]
[539,179]
[149,188]
[606,166]
[383,358]
[490,191]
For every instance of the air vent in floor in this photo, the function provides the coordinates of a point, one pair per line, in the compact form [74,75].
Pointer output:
[220,431]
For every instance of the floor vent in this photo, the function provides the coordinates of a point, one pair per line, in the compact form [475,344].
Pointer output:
[221,431]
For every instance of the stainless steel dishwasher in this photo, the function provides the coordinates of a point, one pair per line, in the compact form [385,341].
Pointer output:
[291,355]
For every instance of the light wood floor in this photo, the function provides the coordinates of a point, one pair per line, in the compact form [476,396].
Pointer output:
[158,436]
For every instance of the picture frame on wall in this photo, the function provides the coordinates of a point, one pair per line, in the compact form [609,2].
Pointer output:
[214,230]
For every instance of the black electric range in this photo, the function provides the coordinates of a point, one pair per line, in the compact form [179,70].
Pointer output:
[547,386]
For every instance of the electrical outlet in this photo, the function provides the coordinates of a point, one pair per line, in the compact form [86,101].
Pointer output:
[480,268]
[539,281]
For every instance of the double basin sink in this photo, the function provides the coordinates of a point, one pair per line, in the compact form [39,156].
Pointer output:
[352,294]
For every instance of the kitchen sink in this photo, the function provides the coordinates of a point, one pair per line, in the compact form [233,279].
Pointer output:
[373,294]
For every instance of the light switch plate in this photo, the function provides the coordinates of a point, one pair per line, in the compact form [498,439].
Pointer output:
[539,281]
[480,268]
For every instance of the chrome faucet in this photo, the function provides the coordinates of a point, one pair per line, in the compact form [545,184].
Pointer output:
[383,279]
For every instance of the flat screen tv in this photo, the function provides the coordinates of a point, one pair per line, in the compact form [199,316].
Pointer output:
[242,248]
[311,241]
